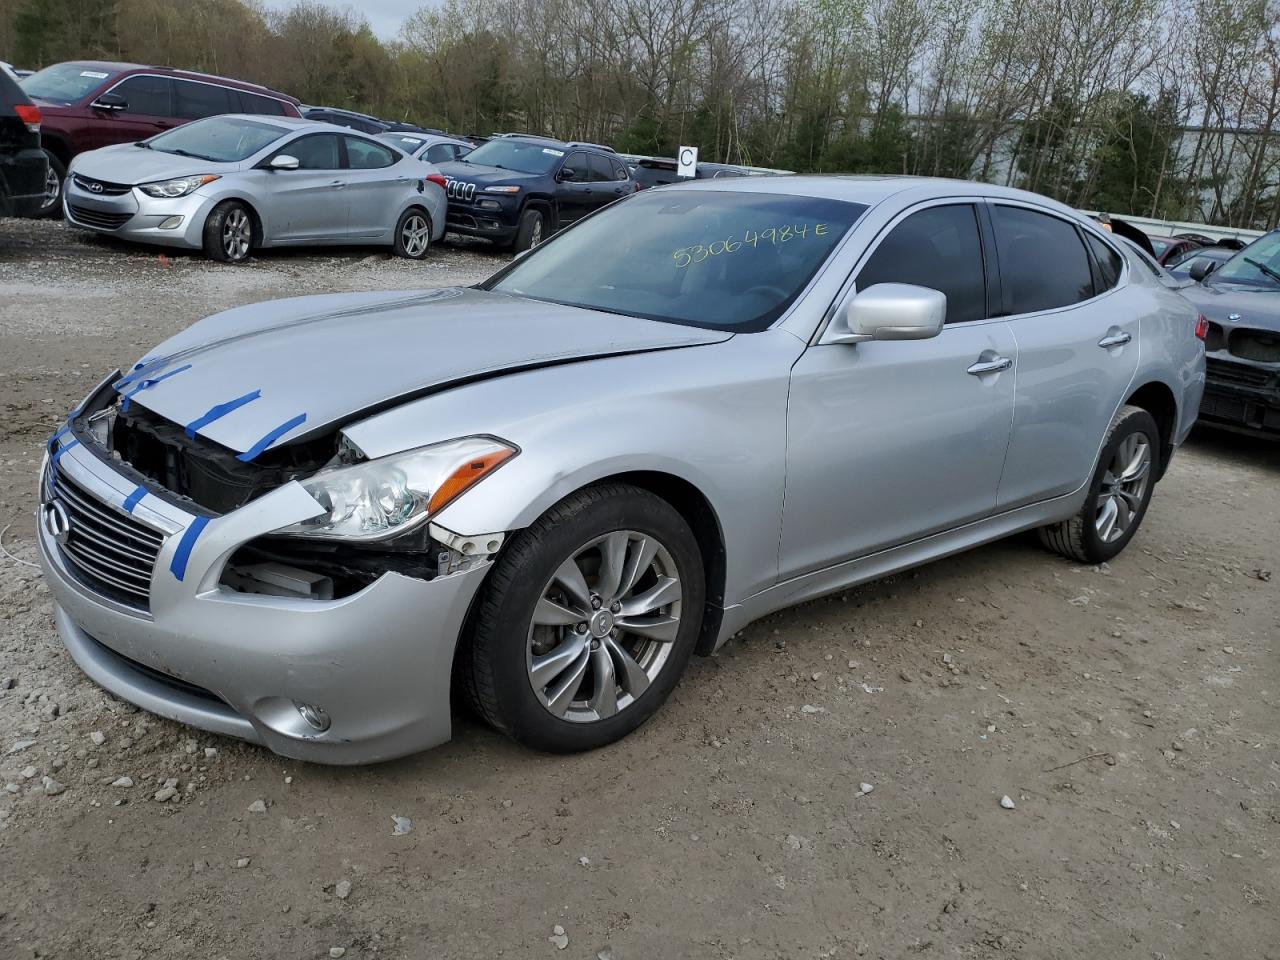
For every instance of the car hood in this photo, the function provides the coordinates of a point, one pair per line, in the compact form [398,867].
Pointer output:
[479,173]
[1250,306]
[129,163]
[313,362]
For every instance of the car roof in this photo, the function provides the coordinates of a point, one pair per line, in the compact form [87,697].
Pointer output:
[299,124]
[120,67]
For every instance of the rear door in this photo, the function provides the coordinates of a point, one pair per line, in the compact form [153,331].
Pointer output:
[890,441]
[309,203]
[1077,348]
[194,100]
[378,180]
[609,181]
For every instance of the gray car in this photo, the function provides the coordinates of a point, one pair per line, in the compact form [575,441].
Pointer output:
[235,183]
[431,147]
[303,523]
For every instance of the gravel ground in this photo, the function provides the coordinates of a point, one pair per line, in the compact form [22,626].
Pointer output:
[829,786]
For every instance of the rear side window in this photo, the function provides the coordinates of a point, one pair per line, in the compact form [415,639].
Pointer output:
[146,96]
[316,152]
[601,169]
[1107,261]
[439,152]
[266,106]
[939,248]
[1042,260]
[366,155]
[198,100]
[619,171]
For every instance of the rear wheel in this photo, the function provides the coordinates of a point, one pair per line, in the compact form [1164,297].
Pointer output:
[531,232]
[228,233]
[55,184]
[1119,494]
[413,234]
[587,620]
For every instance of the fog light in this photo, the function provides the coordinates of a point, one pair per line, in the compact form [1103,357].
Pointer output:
[170,223]
[489,205]
[316,718]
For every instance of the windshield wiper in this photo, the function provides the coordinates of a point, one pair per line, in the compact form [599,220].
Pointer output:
[194,156]
[144,145]
[1274,275]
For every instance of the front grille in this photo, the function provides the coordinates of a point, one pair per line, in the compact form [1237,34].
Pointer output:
[106,549]
[101,219]
[1224,371]
[101,188]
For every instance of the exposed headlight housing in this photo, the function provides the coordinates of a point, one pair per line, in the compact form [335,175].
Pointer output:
[178,187]
[383,498]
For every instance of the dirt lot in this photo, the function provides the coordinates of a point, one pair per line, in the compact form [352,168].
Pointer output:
[1129,711]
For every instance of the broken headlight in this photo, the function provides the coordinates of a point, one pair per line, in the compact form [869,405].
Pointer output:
[388,496]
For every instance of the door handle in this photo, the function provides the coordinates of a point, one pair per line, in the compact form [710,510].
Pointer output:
[994,365]
[338,184]
[1115,340]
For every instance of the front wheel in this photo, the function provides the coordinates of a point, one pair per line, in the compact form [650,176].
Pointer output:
[413,234]
[228,233]
[587,620]
[55,183]
[1119,494]
[531,231]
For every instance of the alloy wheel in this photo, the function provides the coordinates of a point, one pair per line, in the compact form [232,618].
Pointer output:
[604,626]
[1124,487]
[237,234]
[535,236]
[415,235]
[52,189]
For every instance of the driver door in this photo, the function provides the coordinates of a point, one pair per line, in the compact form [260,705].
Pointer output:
[890,441]
[574,194]
[311,202]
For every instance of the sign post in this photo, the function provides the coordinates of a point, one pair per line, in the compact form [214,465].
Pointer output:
[688,160]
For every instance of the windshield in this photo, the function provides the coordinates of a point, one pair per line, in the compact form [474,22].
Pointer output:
[65,82]
[523,156]
[1258,263]
[219,139]
[729,261]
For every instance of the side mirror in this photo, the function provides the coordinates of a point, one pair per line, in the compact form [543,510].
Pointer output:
[893,311]
[566,173]
[1201,268]
[283,162]
[111,102]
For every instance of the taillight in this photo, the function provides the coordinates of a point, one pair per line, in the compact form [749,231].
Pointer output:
[438,179]
[1202,327]
[30,115]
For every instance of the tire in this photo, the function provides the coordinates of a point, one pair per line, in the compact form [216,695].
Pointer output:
[415,246]
[229,233]
[532,231]
[51,208]
[496,667]
[1087,537]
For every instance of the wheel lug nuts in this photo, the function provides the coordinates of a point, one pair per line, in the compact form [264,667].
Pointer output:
[596,603]
[595,644]
[582,628]
[616,607]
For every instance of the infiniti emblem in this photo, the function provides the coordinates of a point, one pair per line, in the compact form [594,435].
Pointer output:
[94,187]
[56,522]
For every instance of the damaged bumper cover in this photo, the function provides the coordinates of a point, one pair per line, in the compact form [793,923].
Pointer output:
[357,679]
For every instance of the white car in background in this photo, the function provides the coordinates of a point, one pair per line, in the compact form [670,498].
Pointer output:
[235,183]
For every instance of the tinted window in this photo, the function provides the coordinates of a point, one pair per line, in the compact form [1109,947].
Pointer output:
[730,261]
[267,106]
[316,152]
[439,152]
[197,100]
[225,139]
[1042,261]
[575,164]
[939,248]
[146,95]
[601,169]
[1108,262]
[367,155]
[65,82]
[619,171]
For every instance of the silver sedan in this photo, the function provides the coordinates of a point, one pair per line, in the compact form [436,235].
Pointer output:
[232,184]
[693,408]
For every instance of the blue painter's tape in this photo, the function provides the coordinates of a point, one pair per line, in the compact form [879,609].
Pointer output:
[178,566]
[62,432]
[132,499]
[272,437]
[57,454]
[148,383]
[221,410]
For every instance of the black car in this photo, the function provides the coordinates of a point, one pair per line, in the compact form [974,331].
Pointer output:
[24,168]
[1241,301]
[659,171]
[1214,257]
[362,121]
[517,189]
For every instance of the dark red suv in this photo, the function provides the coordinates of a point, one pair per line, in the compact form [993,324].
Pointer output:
[89,104]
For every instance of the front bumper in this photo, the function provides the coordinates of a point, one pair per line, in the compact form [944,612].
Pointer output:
[22,182]
[471,221]
[1242,396]
[173,222]
[378,662]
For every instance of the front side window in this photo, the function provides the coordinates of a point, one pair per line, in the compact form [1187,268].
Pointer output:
[729,261]
[223,139]
[315,152]
[146,96]
[939,248]
[366,155]
[198,100]
[576,168]
[1043,264]
[1108,262]
[1258,264]
[65,82]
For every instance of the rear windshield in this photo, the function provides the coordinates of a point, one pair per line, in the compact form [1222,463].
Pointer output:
[66,82]
[221,139]
[730,261]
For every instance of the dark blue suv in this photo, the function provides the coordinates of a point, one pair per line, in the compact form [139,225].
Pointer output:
[517,189]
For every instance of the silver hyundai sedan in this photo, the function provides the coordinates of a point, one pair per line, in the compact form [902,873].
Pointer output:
[697,406]
[231,184]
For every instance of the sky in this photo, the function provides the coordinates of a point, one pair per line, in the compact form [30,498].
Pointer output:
[384,16]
